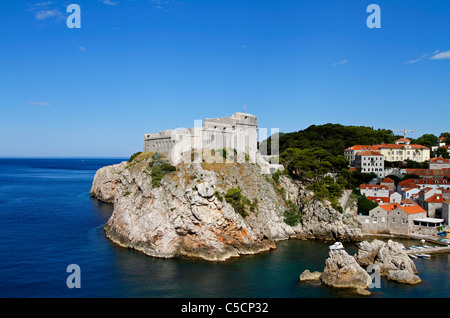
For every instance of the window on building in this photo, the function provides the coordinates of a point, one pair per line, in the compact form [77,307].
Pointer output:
[374,220]
[403,221]
[393,220]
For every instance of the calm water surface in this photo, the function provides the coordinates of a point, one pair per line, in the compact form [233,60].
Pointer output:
[48,221]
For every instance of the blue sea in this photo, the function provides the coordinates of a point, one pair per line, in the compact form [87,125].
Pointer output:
[48,221]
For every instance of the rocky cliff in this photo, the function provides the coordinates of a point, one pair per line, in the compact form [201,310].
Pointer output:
[184,212]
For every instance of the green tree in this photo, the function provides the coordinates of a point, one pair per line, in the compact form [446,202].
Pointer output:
[427,140]
[442,152]
[365,205]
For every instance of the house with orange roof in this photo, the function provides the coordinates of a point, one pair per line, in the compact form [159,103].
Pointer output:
[408,202]
[389,183]
[370,161]
[409,193]
[439,163]
[351,152]
[374,190]
[434,205]
[392,219]
[424,183]
[401,150]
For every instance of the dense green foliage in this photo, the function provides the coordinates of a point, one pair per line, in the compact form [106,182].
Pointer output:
[334,138]
[315,156]
[364,204]
[293,215]
[427,140]
[443,152]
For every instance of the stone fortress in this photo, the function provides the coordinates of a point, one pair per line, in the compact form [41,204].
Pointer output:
[237,132]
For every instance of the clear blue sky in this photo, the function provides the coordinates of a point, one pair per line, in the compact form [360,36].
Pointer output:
[139,66]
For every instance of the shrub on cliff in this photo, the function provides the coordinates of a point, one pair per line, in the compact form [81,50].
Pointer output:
[133,156]
[159,168]
[293,216]
[240,202]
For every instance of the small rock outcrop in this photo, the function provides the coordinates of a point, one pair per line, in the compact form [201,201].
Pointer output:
[403,276]
[342,271]
[307,276]
[390,258]
[367,252]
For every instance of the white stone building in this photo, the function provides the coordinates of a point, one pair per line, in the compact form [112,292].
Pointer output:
[370,161]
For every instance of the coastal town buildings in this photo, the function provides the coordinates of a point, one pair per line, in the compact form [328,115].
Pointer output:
[374,190]
[439,163]
[401,150]
[389,183]
[392,219]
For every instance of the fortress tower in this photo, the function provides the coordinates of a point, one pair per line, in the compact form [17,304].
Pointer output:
[238,132]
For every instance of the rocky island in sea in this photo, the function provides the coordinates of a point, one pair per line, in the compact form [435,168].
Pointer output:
[213,211]
[208,192]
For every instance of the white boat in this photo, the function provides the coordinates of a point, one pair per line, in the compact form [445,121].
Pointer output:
[337,246]
[424,255]
[412,256]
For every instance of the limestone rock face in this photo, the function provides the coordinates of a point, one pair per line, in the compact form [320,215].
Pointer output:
[342,271]
[391,256]
[187,215]
[367,251]
[307,275]
[404,276]
[392,260]
[106,181]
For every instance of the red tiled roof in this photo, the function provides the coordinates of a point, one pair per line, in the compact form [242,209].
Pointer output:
[388,180]
[409,202]
[380,199]
[403,140]
[437,198]
[371,186]
[369,153]
[439,160]
[423,181]
[394,146]
[390,207]
[361,147]
[411,209]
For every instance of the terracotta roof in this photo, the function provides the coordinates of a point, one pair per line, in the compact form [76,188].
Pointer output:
[411,209]
[428,172]
[369,153]
[403,140]
[408,186]
[394,146]
[380,199]
[390,207]
[409,202]
[388,180]
[371,186]
[439,160]
[423,181]
[361,147]
[437,198]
